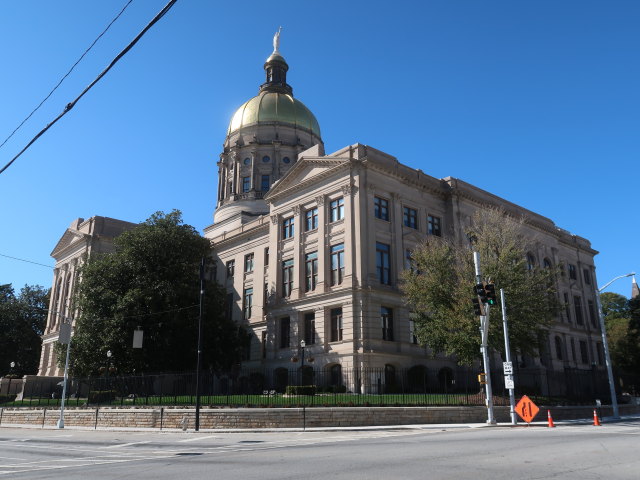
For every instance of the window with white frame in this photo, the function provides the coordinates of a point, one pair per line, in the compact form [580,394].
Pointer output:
[337,263]
[336,209]
[287,277]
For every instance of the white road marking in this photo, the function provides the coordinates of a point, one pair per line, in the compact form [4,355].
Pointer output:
[127,444]
[197,438]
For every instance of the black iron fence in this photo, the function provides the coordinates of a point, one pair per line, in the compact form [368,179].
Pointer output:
[308,386]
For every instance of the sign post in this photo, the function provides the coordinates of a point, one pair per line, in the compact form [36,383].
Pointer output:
[508,365]
[527,409]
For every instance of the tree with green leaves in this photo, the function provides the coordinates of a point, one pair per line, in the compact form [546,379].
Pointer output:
[439,289]
[22,321]
[151,282]
[622,322]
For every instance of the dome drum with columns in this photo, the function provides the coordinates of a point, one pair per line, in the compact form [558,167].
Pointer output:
[263,141]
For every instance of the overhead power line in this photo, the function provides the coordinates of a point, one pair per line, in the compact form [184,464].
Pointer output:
[66,74]
[23,260]
[71,104]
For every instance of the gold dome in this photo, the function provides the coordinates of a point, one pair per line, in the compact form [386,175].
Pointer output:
[276,107]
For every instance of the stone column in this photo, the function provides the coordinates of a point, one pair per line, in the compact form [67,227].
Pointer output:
[323,254]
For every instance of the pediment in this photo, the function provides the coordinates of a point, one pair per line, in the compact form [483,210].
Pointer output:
[305,171]
[68,239]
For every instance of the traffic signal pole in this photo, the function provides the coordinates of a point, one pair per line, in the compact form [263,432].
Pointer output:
[484,347]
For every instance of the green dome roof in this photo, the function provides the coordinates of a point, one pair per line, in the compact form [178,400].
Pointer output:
[274,107]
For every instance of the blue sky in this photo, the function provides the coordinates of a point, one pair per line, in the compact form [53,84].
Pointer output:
[534,101]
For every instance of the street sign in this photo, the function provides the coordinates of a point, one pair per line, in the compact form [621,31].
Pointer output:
[508,382]
[507,367]
[527,409]
[64,337]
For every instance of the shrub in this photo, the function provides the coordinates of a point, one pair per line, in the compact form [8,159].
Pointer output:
[300,390]
[101,396]
[7,398]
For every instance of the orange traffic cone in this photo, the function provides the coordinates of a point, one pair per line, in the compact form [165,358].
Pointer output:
[596,420]
[550,419]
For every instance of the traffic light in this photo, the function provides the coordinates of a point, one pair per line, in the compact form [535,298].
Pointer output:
[490,290]
[477,306]
[480,291]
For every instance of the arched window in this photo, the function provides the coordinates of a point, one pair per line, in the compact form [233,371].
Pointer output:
[335,374]
[445,378]
[547,263]
[531,261]
[559,348]
[417,379]
[281,379]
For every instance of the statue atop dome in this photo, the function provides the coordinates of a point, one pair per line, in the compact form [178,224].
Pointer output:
[276,41]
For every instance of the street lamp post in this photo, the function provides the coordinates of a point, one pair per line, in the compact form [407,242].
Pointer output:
[605,345]
[12,365]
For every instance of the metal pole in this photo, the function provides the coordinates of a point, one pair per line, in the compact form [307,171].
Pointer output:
[605,345]
[197,426]
[64,386]
[507,349]
[484,335]
[607,358]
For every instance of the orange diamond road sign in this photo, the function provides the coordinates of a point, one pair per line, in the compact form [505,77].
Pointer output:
[526,409]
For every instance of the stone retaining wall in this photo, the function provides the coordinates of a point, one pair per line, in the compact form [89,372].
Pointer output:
[250,418]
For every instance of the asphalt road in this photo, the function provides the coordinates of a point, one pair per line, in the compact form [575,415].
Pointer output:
[569,451]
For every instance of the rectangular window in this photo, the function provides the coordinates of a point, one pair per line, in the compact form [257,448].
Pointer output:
[573,349]
[337,263]
[287,277]
[386,319]
[266,256]
[264,344]
[383,263]
[311,219]
[413,338]
[577,307]
[287,227]
[265,183]
[248,263]
[434,226]
[336,325]
[265,295]
[587,276]
[592,314]
[311,271]
[246,184]
[229,306]
[408,263]
[573,275]
[247,302]
[410,217]
[285,332]
[584,354]
[381,208]
[567,307]
[231,266]
[310,328]
[337,209]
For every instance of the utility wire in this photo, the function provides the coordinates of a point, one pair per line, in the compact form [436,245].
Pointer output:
[23,260]
[67,74]
[70,105]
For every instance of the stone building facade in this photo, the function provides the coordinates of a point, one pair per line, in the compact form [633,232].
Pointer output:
[310,246]
[82,239]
